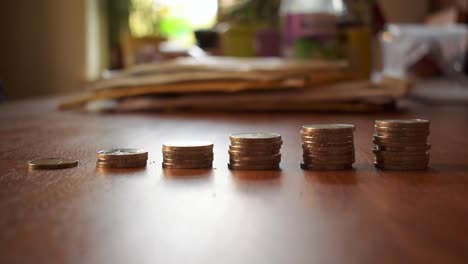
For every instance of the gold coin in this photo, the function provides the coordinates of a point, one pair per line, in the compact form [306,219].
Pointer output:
[122,161]
[189,156]
[255,137]
[395,130]
[405,149]
[400,168]
[345,159]
[327,153]
[325,167]
[253,167]
[272,150]
[253,161]
[255,164]
[236,153]
[407,159]
[402,162]
[187,161]
[337,156]
[52,163]
[119,154]
[400,153]
[400,144]
[101,164]
[399,139]
[257,145]
[403,123]
[186,166]
[327,138]
[256,158]
[327,128]
[327,163]
[349,148]
[187,146]
[400,133]
[309,144]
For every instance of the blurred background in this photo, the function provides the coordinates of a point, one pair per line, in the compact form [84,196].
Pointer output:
[51,47]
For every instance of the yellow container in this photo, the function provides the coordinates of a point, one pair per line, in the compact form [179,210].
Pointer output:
[239,40]
[359,51]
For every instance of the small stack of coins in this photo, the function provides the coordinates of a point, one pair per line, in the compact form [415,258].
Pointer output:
[401,144]
[187,155]
[122,158]
[255,151]
[327,146]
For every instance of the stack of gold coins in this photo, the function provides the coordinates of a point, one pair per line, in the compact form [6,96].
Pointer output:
[187,155]
[255,151]
[401,144]
[327,146]
[122,158]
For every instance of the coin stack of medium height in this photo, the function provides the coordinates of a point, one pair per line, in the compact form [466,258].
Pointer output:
[121,158]
[401,144]
[327,146]
[255,151]
[191,155]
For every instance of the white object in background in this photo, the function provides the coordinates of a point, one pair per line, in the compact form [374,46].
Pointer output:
[405,44]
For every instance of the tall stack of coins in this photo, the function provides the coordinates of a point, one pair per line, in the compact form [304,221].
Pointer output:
[327,146]
[255,151]
[401,144]
[187,155]
[122,158]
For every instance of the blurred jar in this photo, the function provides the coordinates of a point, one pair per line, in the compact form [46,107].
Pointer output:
[309,28]
[355,36]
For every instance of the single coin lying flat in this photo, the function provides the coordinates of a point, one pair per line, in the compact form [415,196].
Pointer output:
[52,163]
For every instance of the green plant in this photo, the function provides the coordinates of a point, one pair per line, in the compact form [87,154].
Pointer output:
[144,18]
[117,12]
[255,11]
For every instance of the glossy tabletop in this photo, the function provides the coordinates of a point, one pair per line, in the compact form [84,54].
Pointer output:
[85,215]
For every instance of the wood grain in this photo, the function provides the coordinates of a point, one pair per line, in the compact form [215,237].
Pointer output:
[84,215]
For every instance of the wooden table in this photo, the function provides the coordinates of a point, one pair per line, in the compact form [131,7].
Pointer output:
[83,215]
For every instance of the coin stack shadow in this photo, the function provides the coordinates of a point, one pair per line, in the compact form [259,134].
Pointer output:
[327,146]
[401,144]
[255,151]
[122,158]
[190,155]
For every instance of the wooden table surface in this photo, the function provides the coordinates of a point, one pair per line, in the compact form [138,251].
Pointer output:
[83,215]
